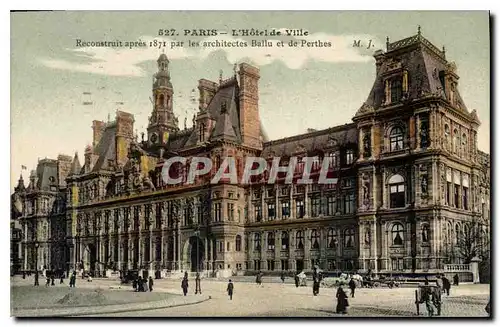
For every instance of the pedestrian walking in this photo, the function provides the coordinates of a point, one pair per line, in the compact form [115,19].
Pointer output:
[145,283]
[61,278]
[439,283]
[47,279]
[446,285]
[36,278]
[134,284]
[197,283]
[316,280]
[230,288]
[72,280]
[151,284]
[352,286]
[455,280]
[185,283]
[282,276]
[24,274]
[297,280]
[342,302]
[258,279]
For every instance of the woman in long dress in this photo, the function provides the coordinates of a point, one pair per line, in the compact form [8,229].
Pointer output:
[342,302]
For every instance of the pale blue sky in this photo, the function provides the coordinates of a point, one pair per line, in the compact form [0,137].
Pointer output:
[299,88]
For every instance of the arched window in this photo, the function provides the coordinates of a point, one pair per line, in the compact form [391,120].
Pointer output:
[284,241]
[349,238]
[299,240]
[397,191]
[256,242]
[332,238]
[464,139]
[270,241]
[314,239]
[397,234]
[396,139]
[425,233]
[467,232]
[238,243]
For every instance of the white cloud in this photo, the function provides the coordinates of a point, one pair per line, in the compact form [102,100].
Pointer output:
[124,61]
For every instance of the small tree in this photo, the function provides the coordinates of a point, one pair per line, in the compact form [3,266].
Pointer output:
[473,242]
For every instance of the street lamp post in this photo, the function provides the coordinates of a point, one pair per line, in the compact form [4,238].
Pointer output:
[36,263]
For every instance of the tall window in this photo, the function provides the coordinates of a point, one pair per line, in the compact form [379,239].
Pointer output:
[349,204]
[396,90]
[457,233]
[465,198]
[238,243]
[299,237]
[199,213]
[334,159]
[314,239]
[332,238]
[285,209]
[230,211]
[457,195]
[284,240]
[300,208]
[448,195]
[258,212]
[349,157]
[331,207]
[270,241]
[349,238]
[397,191]
[218,211]
[397,234]
[396,139]
[271,211]
[256,242]
[315,206]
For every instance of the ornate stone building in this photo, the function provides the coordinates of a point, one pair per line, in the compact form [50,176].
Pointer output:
[410,182]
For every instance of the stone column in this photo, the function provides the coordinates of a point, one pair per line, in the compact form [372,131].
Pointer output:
[307,249]
[374,242]
[179,242]
[306,200]
[277,249]
[361,144]
[291,249]
[119,240]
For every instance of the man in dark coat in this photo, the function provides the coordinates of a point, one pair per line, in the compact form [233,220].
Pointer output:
[36,278]
[446,285]
[134,284]
[151,283]
[258,279]
[297,280]
[185,284]
[282,276]
[455,280]
[315,281]
[230,288]
[342,302]
[197,284]
[352,286]
[72,280]
[52,277]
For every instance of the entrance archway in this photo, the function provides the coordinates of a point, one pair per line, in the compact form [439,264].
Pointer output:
[91,256]
[194,254]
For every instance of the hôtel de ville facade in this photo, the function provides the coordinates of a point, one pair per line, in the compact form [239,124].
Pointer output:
[410,177]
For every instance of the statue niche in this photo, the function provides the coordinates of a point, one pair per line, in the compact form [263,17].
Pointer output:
[365,182]
[424,134]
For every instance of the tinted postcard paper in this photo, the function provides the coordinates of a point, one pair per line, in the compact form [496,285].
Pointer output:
[242,164]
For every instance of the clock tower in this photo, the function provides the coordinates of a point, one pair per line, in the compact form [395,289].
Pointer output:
[162,121]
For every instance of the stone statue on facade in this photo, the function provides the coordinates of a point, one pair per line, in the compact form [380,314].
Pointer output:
[367,235]
[423,184]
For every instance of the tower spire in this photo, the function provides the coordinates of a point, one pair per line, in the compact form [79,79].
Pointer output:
[419,31]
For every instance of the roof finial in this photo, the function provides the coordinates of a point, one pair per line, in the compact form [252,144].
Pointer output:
[220,76]
[419,32]
[235,68]
[444,50]
[387,43]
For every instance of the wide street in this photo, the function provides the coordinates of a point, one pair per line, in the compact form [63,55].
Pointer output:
[285,300]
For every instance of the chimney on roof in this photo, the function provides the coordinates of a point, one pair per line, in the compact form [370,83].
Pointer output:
[98,128]
[311,130]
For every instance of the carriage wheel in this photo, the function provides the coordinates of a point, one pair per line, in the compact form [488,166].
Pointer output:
[376,284]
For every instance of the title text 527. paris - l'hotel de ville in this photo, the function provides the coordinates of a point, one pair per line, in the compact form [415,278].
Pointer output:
[411,182]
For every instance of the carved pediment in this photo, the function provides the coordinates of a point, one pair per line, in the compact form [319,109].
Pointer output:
[365,108]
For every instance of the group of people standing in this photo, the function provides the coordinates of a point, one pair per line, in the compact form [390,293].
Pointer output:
[185,283]
[142,284]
